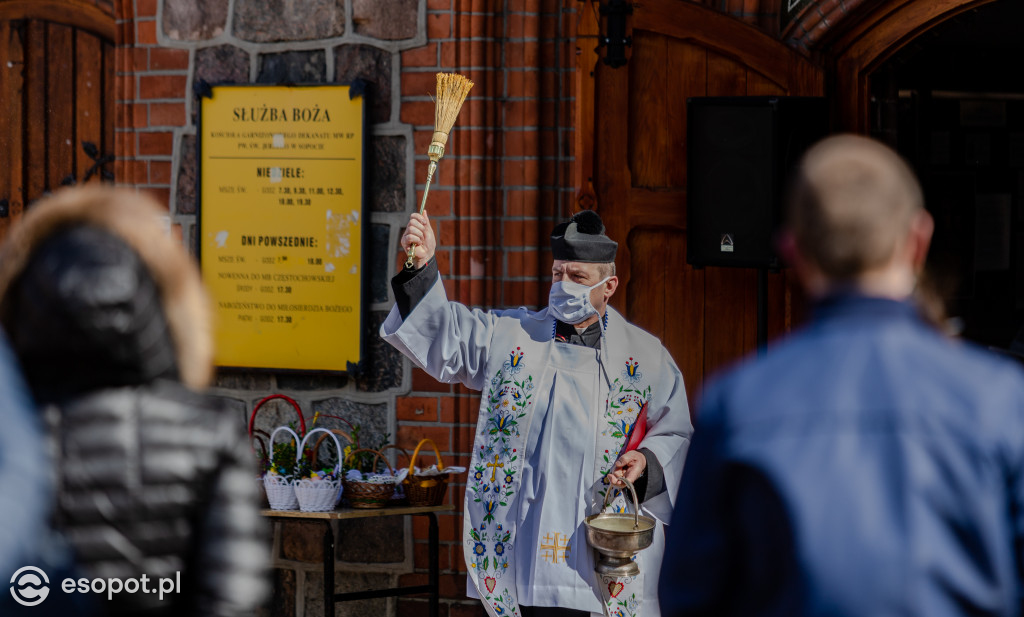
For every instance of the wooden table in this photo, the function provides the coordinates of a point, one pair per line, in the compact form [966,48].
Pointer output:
[431,587]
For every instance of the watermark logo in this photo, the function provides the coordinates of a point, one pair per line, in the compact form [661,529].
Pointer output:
[29,586]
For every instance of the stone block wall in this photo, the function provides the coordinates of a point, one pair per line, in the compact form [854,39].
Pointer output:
[503,183]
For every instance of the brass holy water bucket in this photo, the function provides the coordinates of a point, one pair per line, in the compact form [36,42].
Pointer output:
[618,537]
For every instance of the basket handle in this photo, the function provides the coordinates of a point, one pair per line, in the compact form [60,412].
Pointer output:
[274,434]
[379,455]
[298,411]
[397,447]
[326,432]
[320,440]
[258,438]
[416,453]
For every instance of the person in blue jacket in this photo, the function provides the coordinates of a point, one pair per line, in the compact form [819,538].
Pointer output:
[868,465]
[27,543]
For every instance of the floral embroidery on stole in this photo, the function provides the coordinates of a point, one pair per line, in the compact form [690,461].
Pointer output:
[622,596]
[493,483]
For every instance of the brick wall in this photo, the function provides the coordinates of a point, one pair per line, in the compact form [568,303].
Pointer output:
[505,179]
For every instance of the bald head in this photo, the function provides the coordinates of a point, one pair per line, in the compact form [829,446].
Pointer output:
[852,206]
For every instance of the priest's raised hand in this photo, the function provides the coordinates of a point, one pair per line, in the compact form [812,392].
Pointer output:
[421,235]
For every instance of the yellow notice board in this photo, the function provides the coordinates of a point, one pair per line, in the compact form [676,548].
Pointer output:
[281,224]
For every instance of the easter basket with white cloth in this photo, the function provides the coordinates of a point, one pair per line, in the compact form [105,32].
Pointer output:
[426,486]
[277,481]
[318,490]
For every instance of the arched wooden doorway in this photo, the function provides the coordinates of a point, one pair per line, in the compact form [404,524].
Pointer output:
[636,161]
[57,93]
[878,33]
[933,84]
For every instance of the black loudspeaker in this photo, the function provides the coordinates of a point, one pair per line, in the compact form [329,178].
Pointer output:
[740,153]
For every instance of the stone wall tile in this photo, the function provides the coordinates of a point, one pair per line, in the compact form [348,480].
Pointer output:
[240,409]
[296,67]
[382,364]
[302,541]
[372,419]
[265,21]
[380,273]
[385,19]
[185,202]
[371,540]
[233,379]
[188,20]
[193,241]
[386,175]
[312,381]
[222,64]
[344,582]
[373,66]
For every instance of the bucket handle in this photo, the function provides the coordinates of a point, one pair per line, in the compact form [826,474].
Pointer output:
[636,502]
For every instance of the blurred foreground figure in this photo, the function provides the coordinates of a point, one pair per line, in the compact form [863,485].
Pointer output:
[867,465]
[109,320]
[26,493]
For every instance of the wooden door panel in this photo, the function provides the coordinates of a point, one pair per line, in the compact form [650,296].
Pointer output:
[663,301]
[56,87]
[60,112]
[35,112]
[89,87]
[12,83]
[726,77]
[759,85]
[706,318]
[657,141]
[650,139]
[730,316]
[109,94]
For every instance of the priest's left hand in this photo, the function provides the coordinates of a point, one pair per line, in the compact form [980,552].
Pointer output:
[631,464]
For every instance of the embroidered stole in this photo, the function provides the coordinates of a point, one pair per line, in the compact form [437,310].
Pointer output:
[496,472]
[622,596]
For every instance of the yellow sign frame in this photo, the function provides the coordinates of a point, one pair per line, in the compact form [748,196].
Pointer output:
[280,229]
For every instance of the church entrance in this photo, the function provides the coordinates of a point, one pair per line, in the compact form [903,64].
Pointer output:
[951,104]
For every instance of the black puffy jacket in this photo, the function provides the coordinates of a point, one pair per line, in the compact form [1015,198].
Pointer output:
[109,320]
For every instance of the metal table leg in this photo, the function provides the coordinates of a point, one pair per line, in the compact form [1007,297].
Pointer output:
[433,587]
[435,591]
[328,570]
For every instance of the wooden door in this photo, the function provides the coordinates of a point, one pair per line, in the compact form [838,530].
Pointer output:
[706,318]
[57,96]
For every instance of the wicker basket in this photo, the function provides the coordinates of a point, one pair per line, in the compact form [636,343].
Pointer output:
[280,490]
[319,495]
[398,499]
[256,436]
[369,494]
[425,490]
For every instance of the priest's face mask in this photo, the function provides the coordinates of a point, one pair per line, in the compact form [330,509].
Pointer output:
[580,291]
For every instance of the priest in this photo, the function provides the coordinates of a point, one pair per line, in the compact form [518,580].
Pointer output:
[573,398]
